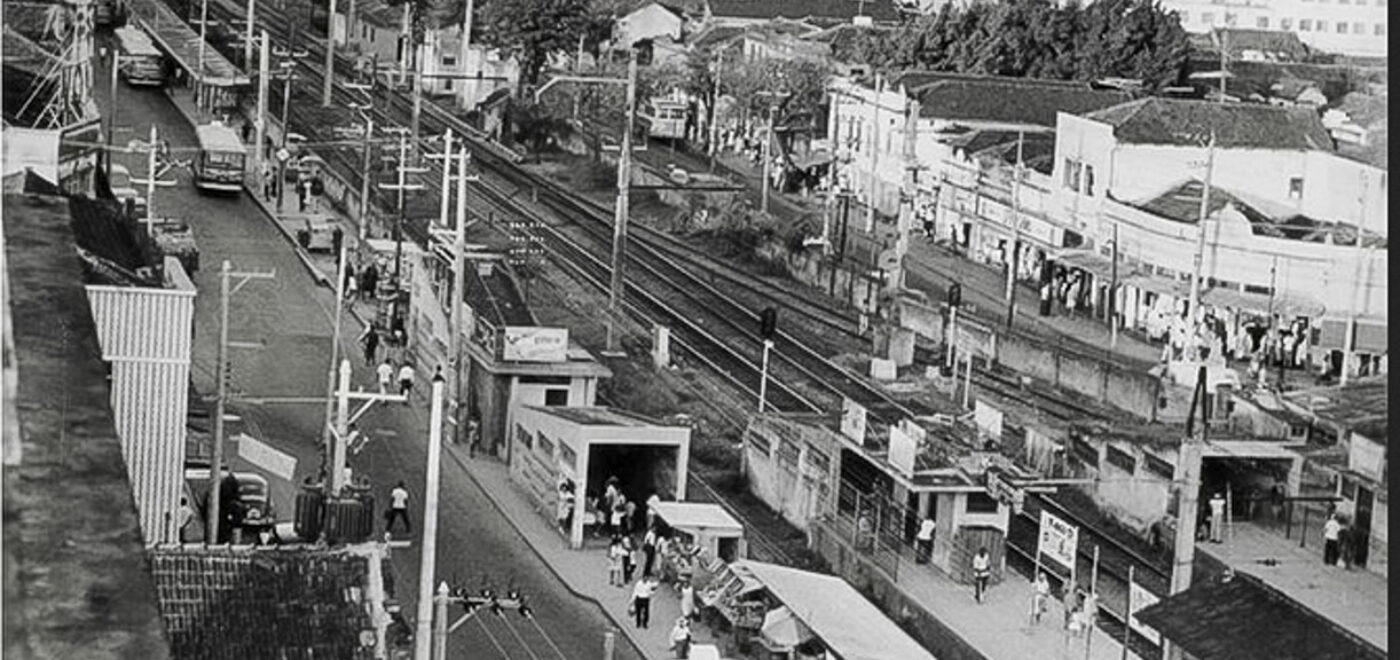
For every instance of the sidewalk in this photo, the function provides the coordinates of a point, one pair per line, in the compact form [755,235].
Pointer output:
[1355,599]
[583,572]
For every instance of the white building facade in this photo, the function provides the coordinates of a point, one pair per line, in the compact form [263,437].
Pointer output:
[1346,27]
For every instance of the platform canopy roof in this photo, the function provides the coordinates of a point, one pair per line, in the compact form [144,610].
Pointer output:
[850,626]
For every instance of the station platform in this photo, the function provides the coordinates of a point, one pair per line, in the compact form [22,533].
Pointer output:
[1355,599]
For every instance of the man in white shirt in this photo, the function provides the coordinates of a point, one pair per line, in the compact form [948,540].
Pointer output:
[1217,517]
[1331,537]
[385,371]
[641,600]
[406,380]
[398,509]
[981,572]
[924,539]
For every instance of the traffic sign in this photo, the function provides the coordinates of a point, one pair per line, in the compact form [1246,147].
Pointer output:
[283,154]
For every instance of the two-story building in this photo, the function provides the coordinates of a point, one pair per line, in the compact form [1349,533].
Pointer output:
[1281,226]
[1347,27]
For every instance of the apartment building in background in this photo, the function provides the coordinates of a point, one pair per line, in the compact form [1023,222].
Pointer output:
[1356,28]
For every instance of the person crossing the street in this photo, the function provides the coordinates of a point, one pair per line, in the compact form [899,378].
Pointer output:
[385,372]
[398,509]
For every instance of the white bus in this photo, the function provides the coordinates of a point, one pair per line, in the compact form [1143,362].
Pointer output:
[141,62]
[221,159]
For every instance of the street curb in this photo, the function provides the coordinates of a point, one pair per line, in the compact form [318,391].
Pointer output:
[619,626]
[321,278]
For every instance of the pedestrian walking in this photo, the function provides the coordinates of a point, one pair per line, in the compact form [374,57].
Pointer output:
[1331,540]
[1071,604]
[268,181]
[1217,517]
[981,572]
[629,565]
[370,340]
[369,281]
[615,553]
[641,600]
[398,509]
[385,372]
[184,515]
[1040,598]
[406,380]
[648,551]
[924,541]
[1090,612]
[687,600]
[680,638]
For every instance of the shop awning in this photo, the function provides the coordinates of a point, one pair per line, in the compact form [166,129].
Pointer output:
[1095,264]
[1285,306]
[850,626]
[709,519]
[1158,284]
[812,159]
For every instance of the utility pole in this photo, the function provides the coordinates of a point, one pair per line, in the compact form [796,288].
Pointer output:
[423,637]
[403,171]
[714,111]
[150,181]
[286,104]
[415,118]
[366,208]
[440,622]
[326,434]
[1113,292]
[260,119]
[1192,446]
[624,182]
[248,36]
[112,114]
[405,34]
[904,222]
[1349,346]
[767,159]
[447,158]
[203,41]
[1224,56]
[1013,249]
[1199,258]
[459,285]
[874,156]
[221,376]
[330,56]
[344,418]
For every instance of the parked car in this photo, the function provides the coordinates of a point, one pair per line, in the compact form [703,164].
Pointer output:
[120,182]
[253,510]
[175,239]
[318,234]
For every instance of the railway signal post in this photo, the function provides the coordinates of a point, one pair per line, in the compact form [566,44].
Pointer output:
[768,328]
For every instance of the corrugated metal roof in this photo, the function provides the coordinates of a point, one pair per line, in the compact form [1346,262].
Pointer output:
[143,324]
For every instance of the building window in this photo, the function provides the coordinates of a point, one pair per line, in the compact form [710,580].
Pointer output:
[1295,188]
[1084,451]
[980,502]
[447,84]
[1073,169]
[1089,180]
[546,446]
[449,60]
[1380,30]
[525,438]
[1158,466]
[1229,19]
[1321,25]
[1358,28]
[556,397]
[1285,24]
[1121,460]
[1207,18]
[1341,27]
[1304,25]
[1262,22]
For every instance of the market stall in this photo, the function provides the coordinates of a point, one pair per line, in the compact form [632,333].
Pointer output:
[702,538]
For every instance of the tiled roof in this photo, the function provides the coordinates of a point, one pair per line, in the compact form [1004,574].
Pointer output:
[1285,45]
[1237,125]
[268,602]
[984,98]
[1244,619]
[718,34]
[77,583]
[880,11]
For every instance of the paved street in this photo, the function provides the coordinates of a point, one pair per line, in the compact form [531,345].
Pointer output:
[291,314]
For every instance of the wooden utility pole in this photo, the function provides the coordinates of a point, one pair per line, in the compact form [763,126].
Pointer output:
[326,431]
[400,187]
[423,637]
[330,57]
[260,119]
[624,179]
[1189,482]
[1013,248]
[1349,344]
[1198,259]
[904,223]
[221,376]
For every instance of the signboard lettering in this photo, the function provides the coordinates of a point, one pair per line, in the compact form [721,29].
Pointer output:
[1059,540]
[531,344]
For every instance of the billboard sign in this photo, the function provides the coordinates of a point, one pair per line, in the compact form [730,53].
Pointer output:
[531,344]
[1059,540]
[903,449]
[1141,598]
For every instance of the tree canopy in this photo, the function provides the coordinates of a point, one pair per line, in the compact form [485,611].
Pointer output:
[1034,38]
[532,30]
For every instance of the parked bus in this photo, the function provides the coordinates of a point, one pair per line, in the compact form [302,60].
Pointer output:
[141,62]
[220,163]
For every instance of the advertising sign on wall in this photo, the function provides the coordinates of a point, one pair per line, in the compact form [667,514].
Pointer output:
[1140,599]
[988,419]
[531,344]
[1059,540]
[902,451]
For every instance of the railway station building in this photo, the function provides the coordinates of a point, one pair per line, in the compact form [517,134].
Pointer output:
[579,450]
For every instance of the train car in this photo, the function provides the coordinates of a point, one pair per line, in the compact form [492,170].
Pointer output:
[666,116]
[141,63]
[221,160]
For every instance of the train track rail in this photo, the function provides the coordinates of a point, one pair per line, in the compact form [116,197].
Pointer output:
[662,263]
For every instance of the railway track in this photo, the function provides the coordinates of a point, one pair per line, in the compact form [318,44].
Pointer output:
[663,263]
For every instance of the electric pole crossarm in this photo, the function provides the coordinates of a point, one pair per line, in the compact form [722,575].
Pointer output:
[578,79]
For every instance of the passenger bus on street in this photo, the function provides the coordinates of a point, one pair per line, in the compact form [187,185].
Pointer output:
[141,62]
[220,163]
